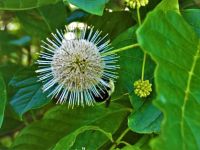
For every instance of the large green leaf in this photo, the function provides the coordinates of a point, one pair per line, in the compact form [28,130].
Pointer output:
[24,4]
[29,93]
[67,142]
[145,118]
[2,99]
[107,22]
[92,6]
[192,16]
[166,5]
[60,122]
[175,47]
[41,21]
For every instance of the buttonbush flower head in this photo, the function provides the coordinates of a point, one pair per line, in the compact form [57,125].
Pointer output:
[74,67]
[136,3]
[142,88]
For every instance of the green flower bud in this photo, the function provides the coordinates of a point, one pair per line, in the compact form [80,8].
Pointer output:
[136,3]
[142,88]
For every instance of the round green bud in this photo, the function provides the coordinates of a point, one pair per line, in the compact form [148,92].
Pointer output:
[136,3]
[142,88]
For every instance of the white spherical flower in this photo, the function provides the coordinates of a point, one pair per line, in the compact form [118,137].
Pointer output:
[74,67]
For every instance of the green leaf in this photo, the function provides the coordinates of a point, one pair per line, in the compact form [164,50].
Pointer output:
[128,72]
[25,40]
[174,46]
[67,142]
[2,99]
[130,147]
[24,5]
[192,16]
[166,5]
[10,122]
[60,121]
[145,118]
[29,93]
[94,7]
[107,22]
[6,47]
[44,20]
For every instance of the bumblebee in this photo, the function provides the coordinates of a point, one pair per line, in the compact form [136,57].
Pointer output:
[105,93]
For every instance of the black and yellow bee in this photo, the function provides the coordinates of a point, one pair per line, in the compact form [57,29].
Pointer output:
[105,93]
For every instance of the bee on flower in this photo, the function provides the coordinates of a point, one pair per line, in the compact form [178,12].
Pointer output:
[74,67]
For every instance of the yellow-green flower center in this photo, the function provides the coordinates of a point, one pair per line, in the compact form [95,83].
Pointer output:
[142,88]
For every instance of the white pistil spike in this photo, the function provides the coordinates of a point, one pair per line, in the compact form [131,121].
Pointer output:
[75,70]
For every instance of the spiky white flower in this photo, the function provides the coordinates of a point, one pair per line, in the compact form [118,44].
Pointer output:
[74,67]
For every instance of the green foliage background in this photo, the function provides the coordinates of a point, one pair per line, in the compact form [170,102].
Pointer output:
[167,119]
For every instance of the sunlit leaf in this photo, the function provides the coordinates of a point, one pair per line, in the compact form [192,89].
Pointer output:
[176,49]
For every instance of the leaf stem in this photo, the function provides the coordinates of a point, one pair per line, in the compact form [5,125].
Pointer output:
[121,49]
[118,141]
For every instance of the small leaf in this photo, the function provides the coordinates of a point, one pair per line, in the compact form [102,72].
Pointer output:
[2,99]
[67,142]
[146,119]
[176,49]
[94,7]
[60,121]
[25,40]
[29,94]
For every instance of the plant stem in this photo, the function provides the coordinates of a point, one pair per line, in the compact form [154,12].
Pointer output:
[120,49]
[25,121]
[33,116]
[119,139]
[143,66]
[138,16]
[125,143]
[144,58]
